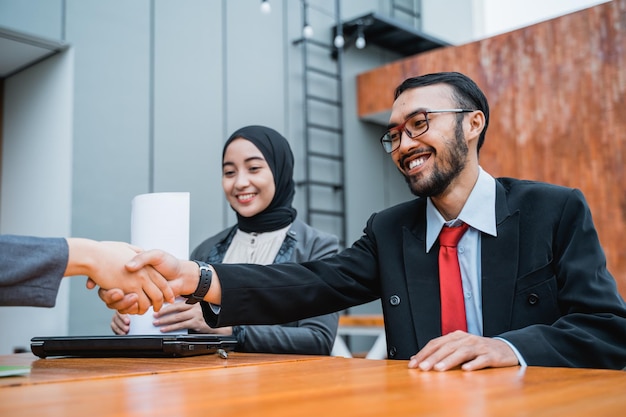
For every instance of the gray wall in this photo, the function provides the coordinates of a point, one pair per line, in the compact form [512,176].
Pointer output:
[36,180]
[158,87]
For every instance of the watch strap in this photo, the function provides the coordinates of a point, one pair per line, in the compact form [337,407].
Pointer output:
[204,284]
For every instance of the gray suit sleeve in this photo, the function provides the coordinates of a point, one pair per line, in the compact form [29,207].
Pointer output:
[314,336]
[31,269]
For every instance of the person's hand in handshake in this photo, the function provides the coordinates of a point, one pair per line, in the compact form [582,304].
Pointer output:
[105,265]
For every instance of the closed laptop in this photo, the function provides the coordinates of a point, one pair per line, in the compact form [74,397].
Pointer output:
[143,346]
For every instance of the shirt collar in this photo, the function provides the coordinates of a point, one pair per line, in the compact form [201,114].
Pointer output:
[479,210]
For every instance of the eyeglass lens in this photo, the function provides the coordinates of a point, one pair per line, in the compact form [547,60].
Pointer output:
[414,126]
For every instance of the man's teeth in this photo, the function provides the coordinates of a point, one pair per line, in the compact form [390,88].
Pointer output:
[417,162]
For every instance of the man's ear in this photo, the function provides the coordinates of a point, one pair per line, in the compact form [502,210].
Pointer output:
[476,121]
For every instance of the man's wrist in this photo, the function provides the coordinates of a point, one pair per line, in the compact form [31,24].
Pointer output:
[191,277]
[204,275]
[520,358]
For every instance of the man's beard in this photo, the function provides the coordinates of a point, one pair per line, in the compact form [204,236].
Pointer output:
[440,179]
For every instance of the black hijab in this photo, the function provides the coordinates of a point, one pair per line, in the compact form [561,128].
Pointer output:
[279,157]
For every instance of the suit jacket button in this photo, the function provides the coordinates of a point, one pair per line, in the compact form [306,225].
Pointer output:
[394,300]
[392,352]
[533,299]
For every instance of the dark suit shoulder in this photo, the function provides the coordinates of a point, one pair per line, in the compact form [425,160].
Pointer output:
[401,215]
[524,193]
[403,208]
[515,185]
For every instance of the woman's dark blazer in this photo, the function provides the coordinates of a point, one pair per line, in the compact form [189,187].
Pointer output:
[312,336]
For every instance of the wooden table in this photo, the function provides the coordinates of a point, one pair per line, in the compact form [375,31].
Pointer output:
[291,385]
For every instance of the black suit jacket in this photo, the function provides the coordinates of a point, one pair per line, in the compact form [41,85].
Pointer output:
[545,286]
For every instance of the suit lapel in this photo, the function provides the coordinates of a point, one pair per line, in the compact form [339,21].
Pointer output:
[421,274]
[499,260]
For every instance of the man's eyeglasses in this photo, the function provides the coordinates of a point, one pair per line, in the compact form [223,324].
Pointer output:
[414,126]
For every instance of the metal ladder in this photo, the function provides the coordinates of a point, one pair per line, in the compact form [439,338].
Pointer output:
[411,13]
[324,179]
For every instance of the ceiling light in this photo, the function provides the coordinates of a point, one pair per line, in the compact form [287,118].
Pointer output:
[339,41]
[265,6]
[307,31]
[360,39]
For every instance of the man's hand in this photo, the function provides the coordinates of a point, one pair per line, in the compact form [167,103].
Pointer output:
[468,351]
[104,264]
[167,266]
[182,276]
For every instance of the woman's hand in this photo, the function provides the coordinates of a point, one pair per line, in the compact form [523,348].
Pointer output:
[120,324]
[180,315]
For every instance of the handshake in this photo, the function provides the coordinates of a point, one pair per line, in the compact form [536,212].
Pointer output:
[131,280]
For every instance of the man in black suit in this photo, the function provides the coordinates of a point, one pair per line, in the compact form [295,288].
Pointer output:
[535,285]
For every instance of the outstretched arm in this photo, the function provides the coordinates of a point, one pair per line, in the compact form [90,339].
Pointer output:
[32,268]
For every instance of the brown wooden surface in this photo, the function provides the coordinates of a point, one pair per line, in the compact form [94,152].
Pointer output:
[361,320]
[72,369]
[269,385]
[557,91]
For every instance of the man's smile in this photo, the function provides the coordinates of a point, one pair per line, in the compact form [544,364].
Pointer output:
[415,161]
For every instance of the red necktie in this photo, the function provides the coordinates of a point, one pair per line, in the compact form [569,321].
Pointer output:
[450,285]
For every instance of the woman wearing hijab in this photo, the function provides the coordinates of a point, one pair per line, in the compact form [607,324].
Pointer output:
[257,178]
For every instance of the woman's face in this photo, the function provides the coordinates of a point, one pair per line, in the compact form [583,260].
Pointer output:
[247,179]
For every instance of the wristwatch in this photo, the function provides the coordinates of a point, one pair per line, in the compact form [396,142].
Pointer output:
[203,285]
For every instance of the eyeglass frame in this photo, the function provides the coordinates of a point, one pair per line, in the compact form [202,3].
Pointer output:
[402,127]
